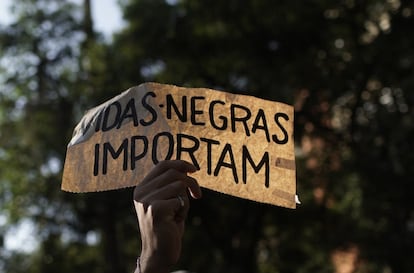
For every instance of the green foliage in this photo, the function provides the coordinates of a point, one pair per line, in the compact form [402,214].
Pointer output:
[47,70]
[346,66]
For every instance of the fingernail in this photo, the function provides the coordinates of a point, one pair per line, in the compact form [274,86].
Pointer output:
[193,168]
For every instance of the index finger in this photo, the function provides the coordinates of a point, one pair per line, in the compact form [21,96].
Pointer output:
[163,166]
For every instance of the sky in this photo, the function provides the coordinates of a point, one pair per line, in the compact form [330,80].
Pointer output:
[106,14]
[107,19]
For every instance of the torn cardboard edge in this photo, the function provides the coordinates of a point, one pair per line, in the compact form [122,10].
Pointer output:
[233,139]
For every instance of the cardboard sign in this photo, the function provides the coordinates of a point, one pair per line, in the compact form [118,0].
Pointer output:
[242,145]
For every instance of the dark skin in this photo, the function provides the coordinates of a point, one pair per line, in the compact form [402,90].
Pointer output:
[161,214]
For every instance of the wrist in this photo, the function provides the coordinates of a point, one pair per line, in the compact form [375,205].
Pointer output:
[151,264]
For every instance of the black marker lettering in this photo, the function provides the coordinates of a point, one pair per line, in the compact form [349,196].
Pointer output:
[209,142]
[264,161]
[85,128]
[261,118]
[227,150]
[150,109]
[285,138]
[223,119]
[155,147]
[189,150]
[98,121]
[129,112]
[194,111]
[243,118]
[115,154]
[96,160]
[135,157]
[107,112]
[171,104]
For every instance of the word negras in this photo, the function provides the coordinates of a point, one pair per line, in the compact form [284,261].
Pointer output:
[113,116]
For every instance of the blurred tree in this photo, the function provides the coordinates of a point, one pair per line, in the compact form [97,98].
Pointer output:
[346,66]
[52,63]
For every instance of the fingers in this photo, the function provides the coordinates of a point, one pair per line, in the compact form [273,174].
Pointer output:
[171,190]
[173,175]
[178,165]
[179,204]
[166,180]
[170,207]
[162,204]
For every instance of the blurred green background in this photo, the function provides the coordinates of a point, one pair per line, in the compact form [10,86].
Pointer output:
[347,66]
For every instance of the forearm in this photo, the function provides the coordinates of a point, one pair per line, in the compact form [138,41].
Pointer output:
[150,265]
[161,202]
